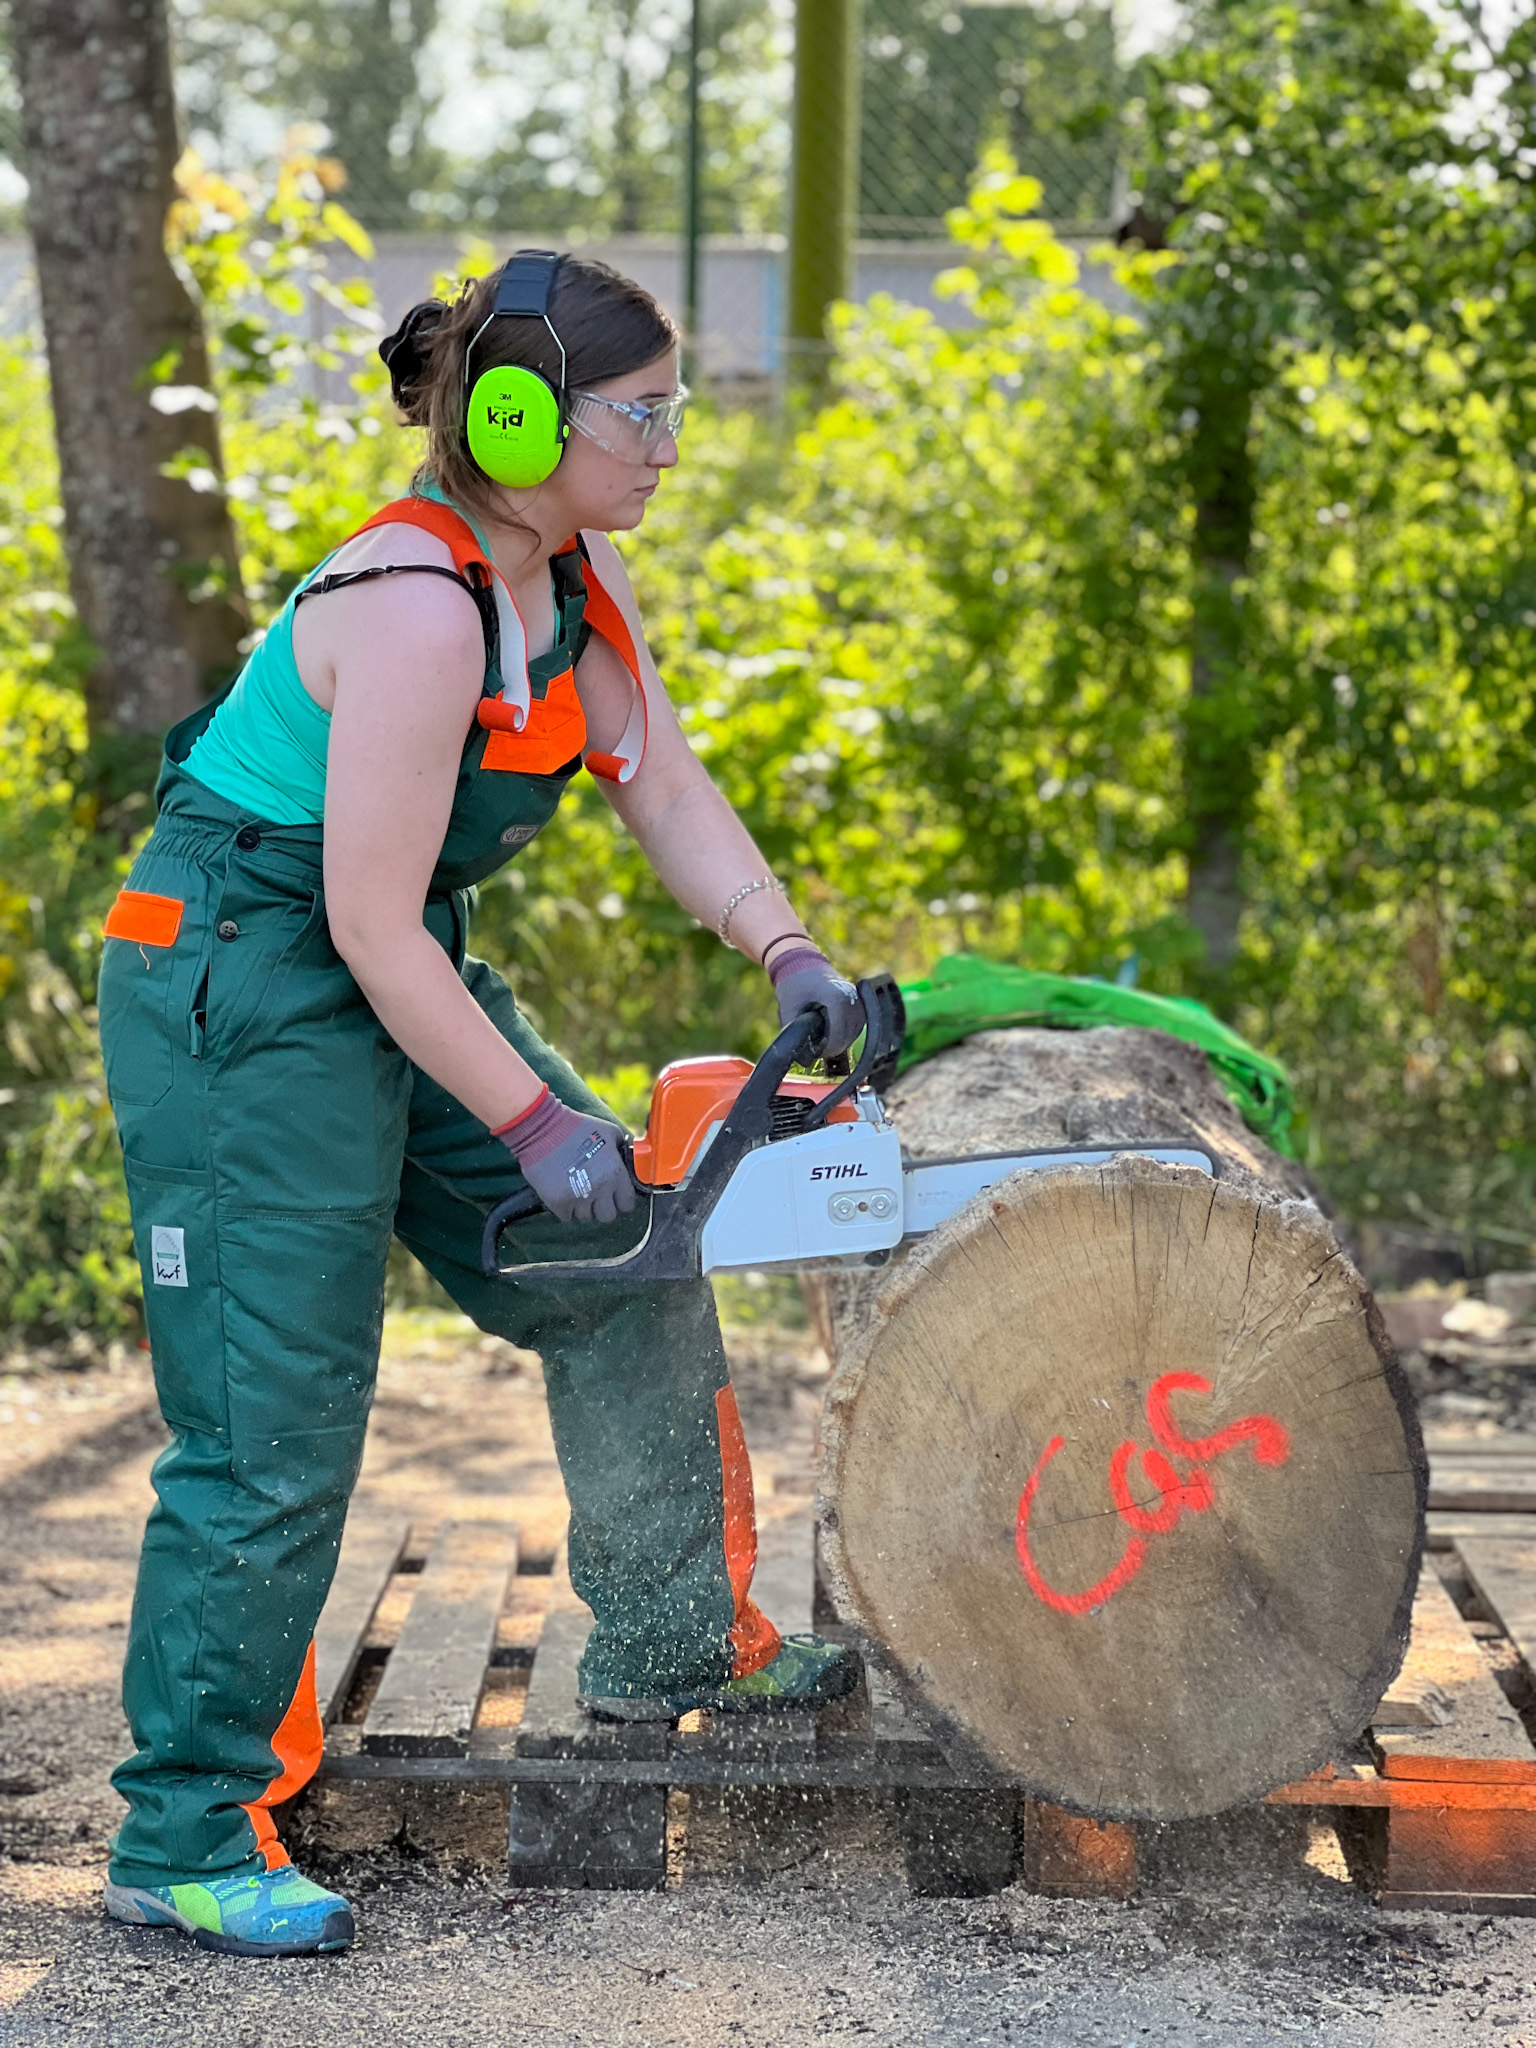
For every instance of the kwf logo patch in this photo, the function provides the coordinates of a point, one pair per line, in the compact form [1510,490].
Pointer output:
[168,1255]
[503,418]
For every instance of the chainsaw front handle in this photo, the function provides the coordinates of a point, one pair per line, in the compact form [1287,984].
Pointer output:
[670,1248]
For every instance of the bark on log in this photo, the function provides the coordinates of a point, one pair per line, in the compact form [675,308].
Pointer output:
[153,563]
[1122,1480]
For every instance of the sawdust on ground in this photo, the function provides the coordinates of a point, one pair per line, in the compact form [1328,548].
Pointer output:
[791,1923]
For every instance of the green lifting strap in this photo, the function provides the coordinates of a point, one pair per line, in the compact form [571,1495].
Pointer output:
[964,993]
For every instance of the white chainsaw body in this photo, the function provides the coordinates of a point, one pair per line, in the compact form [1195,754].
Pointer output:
[844,1195]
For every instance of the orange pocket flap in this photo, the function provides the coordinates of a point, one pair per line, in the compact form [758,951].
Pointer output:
[147,920]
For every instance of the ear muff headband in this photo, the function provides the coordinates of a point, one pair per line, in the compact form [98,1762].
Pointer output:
[514,418]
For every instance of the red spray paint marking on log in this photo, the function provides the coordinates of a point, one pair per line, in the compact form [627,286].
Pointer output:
[1178,1493]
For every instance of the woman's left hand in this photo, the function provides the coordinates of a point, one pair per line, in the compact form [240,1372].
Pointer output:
[804,978]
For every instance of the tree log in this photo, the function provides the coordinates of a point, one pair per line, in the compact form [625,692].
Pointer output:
[153,560]
[1122,1480]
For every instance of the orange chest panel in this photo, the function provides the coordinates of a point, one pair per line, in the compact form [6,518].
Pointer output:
[554,733]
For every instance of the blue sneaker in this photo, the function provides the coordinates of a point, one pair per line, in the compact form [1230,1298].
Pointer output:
[276,1914]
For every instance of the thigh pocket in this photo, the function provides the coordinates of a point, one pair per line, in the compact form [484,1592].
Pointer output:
[175,1236]
[133,998]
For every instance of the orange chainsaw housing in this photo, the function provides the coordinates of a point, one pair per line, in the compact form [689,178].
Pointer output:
[689,1096]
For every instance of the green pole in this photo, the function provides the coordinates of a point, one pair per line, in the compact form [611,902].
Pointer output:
[824,178]
[693,197]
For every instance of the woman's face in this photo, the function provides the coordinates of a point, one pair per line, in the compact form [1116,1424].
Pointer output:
[611,467]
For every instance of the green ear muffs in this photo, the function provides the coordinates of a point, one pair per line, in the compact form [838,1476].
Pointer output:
[514,419]
[514,427]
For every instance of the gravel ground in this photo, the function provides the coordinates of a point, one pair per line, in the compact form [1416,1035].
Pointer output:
[789,1922]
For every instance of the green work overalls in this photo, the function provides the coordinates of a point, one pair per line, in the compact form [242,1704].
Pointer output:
[274,1138]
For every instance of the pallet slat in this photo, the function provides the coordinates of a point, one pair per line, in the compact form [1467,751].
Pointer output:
[1495,1476]
[1455,1780]
[553,1724]
[1482,1740]
[1503,1450]
[1444,1529]
[1502,1571]
[370,1550]
[785,1580]
[1492,1490]
[426,1701]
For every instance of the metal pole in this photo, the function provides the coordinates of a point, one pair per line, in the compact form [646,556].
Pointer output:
[824,178]
[693,197]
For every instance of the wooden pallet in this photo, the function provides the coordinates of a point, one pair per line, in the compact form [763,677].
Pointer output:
[1443,1798]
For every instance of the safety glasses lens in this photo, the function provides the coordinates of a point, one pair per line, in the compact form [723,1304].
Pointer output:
[665,419]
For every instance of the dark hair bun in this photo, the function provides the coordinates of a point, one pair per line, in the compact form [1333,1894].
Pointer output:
[407,356]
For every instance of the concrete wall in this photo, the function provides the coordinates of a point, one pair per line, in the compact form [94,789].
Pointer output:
[741,287]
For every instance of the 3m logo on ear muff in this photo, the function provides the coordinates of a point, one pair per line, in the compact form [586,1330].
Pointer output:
[501,419]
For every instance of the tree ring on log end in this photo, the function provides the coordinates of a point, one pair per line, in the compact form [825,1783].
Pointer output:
[1129,1489]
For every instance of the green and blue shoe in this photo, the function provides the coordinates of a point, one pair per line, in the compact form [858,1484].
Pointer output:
[276,1914]
[809,1673]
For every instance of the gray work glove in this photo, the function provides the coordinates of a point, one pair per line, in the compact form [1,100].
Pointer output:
[803,977]
[572,1162]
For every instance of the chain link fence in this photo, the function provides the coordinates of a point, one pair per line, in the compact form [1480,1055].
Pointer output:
[942,81]
[945,80]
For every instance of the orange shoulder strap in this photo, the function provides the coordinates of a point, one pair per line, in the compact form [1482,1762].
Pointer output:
[446,525]
[604,616]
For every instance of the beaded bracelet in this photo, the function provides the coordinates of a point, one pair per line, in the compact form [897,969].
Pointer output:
[733,903]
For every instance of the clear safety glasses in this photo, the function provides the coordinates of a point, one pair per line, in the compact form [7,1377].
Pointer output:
[623,426]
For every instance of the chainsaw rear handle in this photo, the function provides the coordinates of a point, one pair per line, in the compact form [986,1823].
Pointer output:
[670,1248]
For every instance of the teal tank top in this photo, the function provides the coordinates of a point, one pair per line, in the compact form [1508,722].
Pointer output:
[265,747]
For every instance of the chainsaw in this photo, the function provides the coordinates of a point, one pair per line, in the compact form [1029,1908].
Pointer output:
[751,1166]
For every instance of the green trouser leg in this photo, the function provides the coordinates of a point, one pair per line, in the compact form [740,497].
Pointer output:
[263,1116]
[265,1119]
[632,1375]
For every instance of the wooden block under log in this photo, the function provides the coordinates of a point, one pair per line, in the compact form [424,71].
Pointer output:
[1121,1473]
[1482,1739]
[1068,1856]
[960,1844]
[588,1837]
[426,1701]
[370,1550]
[1452,1858]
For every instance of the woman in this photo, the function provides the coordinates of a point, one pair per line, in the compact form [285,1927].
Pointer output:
[303,1059]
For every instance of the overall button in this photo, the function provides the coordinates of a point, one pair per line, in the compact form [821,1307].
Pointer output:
[248,839]
[227,928]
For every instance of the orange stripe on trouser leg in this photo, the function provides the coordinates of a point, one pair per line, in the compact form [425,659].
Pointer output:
[297,1745]
[754,1639]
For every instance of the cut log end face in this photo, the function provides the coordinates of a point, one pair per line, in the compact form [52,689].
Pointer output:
[1127,1485]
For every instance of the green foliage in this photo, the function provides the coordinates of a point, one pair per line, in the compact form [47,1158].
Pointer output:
[589,95]
[939,643]
[303,472]
[353,65]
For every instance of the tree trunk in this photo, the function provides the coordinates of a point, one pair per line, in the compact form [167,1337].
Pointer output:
[1122,1479]
[153,561]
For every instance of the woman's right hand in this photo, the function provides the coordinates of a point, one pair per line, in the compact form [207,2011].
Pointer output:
[572,1162]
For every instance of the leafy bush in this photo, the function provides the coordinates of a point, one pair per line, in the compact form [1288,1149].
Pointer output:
[934,643]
